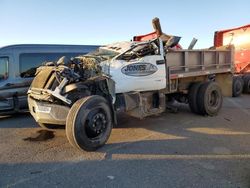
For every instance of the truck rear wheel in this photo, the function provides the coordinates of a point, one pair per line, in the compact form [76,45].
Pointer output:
[89,123]
[237,86]
[192,97]
[209,99]
[246,84]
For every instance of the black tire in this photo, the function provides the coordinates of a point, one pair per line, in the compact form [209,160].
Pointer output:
[246,87]
[237,86]
[50,126]
[89,123]
[192,97]
[209,99]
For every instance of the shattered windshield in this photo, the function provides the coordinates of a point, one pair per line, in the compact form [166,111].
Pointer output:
[141,50]
[103,53]
[4,68]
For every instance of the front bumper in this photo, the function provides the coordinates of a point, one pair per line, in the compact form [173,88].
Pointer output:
[48,113]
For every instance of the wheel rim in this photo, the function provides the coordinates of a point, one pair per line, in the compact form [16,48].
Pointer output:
[213,99]
[95,124]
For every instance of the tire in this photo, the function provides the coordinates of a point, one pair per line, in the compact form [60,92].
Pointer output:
[89,123]
[237,86]
[50,126]
[209,99]
[192,97]
[246,87]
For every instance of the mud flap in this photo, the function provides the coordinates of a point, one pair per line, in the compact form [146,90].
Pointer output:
[225,82]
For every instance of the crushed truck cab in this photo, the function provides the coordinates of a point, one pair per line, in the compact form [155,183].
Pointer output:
[139,67]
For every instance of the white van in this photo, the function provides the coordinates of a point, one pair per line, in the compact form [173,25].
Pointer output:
[18,65]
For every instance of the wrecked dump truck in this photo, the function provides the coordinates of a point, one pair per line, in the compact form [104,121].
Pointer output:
[138,78]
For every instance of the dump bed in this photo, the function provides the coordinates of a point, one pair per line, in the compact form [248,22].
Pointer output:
[240,38]
[190,63]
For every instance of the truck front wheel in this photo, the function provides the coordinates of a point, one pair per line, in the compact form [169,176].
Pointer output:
[209,99]
[89,123]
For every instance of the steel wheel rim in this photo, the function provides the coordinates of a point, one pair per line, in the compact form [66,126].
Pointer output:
[213,99]
[95,124]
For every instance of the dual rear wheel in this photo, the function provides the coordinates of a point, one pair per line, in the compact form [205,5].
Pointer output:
[238,84]
[205,98]
[246,81]
[241,84]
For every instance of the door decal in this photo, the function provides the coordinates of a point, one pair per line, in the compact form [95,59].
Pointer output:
[139,69]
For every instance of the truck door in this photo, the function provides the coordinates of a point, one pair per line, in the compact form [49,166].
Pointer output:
[143,69]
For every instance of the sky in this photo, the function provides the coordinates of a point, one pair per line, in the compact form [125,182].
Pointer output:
[101,22]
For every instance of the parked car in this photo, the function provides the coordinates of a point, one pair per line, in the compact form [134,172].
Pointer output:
[18,65]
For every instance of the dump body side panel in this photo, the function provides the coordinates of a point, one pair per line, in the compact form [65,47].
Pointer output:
[189,63]
[187,66]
